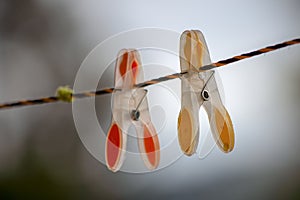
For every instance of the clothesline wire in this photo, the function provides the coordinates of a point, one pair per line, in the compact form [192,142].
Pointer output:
[52,99]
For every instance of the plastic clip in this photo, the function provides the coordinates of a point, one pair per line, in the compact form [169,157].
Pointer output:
[130,106]
[200,88]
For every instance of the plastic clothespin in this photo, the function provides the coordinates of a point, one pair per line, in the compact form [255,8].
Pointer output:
[200,88]
[130,106]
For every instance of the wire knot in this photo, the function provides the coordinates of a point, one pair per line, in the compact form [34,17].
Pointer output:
[64,93]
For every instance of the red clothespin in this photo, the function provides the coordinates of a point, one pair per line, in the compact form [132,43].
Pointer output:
[130,107]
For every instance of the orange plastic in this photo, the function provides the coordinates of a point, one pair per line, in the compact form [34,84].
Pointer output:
[123,64]
[134,67]
[113,147]
[225,129]
[185,134]
[151,145]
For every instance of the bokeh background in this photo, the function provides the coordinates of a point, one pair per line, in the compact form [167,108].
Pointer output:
[42,45]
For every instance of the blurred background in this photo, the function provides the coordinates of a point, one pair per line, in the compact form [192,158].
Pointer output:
[42,44]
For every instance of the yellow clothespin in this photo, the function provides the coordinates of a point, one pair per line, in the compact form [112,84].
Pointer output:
[200,88]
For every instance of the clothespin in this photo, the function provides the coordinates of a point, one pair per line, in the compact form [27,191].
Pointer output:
[130,106]
[200,88]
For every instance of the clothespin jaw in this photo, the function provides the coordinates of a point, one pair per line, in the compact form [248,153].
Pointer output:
[200,88]
[193,51]
[219,118]
[130,107]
